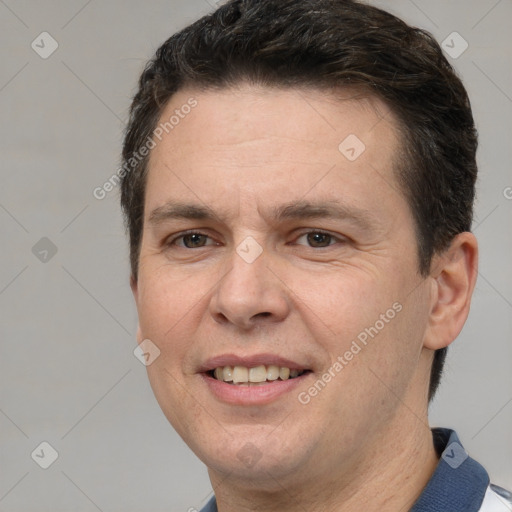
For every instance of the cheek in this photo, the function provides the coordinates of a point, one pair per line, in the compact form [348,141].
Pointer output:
[344,302]
[166,309]
[391,355]
[374,324]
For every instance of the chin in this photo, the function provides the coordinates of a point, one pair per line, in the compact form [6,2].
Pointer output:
[255,454]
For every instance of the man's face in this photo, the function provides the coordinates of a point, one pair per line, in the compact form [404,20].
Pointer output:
[300,254]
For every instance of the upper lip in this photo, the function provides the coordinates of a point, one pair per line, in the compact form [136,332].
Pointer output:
[250,361]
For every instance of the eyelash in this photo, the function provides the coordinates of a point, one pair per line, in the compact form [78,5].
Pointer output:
[312,231]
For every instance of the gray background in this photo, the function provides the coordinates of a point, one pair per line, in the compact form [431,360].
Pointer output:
[68,375]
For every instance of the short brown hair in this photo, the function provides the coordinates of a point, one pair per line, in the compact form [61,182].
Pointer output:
[326,44]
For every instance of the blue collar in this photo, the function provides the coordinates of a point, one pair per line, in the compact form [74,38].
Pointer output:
[458,483]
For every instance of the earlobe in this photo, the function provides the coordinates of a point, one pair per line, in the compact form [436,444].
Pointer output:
[453,278]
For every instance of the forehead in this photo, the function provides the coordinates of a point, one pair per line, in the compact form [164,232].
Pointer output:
[254,140]
[232,115]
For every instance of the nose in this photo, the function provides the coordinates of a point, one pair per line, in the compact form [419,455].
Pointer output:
[250,294]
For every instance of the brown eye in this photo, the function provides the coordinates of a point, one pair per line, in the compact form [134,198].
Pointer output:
[193,240]
[189,240]
[319,239]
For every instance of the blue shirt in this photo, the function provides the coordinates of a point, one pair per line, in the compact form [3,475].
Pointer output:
[459,483]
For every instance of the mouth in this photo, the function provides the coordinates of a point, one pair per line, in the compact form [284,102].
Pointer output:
[256,379]
[256,375]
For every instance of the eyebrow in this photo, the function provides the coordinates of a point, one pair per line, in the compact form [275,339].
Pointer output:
[176,210]
[296,210]
[325,209]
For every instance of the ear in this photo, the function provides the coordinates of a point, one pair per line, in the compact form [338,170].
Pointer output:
[453,276]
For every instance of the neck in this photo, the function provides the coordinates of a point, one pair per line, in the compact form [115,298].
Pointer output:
[389,475]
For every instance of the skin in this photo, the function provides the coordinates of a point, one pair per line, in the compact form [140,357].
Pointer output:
[363,442]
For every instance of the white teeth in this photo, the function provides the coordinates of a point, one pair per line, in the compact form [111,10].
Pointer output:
[284,373]
[240,374]
[257,374]
[227,374]
[272,372]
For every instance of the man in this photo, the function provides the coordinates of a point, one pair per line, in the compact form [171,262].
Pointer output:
[298,186]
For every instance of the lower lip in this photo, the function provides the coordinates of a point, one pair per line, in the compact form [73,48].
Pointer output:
[261,394]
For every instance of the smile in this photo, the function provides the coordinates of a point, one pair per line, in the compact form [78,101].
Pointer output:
[261,374]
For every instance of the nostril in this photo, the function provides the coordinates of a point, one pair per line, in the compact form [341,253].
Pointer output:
[265,314]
